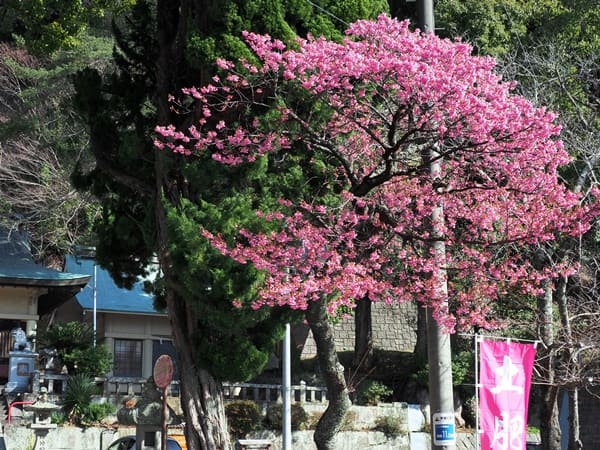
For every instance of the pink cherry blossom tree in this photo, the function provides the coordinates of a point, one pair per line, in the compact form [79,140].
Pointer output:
[377,112]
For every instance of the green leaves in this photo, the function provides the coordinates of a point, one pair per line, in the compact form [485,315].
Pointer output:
[198,194]
[67,336]
[77,401]
[51,25]
[74,345]
[493,26]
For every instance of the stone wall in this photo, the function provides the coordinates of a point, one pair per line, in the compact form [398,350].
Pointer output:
[372,440]
[71,438]
[61,438]
[394,329]
[359,435]
[361,432]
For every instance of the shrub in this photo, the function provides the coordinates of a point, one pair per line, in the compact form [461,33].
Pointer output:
[58,417]
[91,414]
[347,425]
[349,421]
[74,345]
[91,361]
[300,418]
[372,392]
[389,425]
[95,412]
[243,416]
[65,337]
[78,397]
[313,420]
[462,369]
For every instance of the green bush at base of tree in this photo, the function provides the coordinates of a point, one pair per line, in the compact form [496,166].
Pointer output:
[243,416]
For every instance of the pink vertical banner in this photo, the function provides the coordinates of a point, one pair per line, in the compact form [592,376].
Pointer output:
[505,381]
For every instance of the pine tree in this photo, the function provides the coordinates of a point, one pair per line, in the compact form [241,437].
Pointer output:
[154,203]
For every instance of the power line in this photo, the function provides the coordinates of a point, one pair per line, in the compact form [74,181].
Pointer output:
[329,13]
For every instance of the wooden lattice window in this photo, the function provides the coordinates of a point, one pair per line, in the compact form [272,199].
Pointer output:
[128,358]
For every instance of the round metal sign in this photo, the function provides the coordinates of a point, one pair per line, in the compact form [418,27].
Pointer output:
[163,371]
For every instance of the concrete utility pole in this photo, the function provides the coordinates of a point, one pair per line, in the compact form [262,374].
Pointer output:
[441,397]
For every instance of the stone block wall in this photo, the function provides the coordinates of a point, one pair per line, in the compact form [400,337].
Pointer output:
[394,329]
[70,438]
[61,438]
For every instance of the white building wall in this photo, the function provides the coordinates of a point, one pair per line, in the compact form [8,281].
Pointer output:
[146,328]
[19,303]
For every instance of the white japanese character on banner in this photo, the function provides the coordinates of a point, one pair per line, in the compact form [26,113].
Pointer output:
[505,374]
[508,432]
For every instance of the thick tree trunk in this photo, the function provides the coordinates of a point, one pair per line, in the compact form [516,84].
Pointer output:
[549,424]
[333,374]
[201,395]
[421,344]
[363,336]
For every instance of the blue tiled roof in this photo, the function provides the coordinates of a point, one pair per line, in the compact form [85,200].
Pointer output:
[110,297]
[17,267]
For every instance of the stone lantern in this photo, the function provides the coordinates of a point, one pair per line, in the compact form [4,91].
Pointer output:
[42,423]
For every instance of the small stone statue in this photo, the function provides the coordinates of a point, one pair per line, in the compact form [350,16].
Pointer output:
[146,410]
[20,339]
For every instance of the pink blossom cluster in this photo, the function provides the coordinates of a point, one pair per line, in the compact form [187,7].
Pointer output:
[385,106]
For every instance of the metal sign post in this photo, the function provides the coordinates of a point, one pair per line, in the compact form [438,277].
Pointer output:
[163,375]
